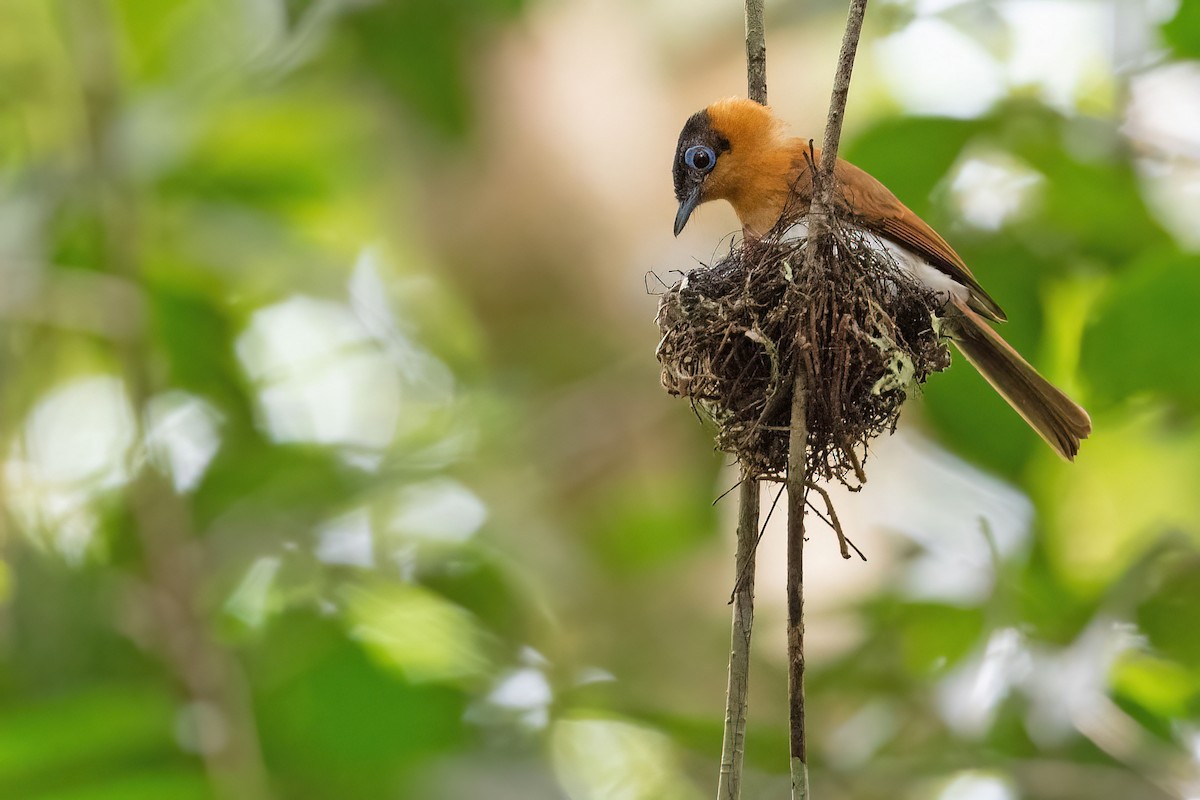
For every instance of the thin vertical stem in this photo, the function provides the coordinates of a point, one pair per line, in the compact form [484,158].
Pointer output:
[733,748]
[756,52]
[797,478]
[837,104]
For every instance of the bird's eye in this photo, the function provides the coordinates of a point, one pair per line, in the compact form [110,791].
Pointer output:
[700,158]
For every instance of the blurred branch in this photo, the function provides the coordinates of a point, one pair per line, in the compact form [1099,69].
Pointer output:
[733,747]
[217,697]
[78,300]
[798,477]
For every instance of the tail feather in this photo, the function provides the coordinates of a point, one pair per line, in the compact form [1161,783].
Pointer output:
[1057,418]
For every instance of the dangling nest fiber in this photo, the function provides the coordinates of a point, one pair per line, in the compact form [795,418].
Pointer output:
[864,326]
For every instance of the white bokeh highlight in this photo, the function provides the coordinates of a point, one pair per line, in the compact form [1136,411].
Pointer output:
[321,378]
[76,444]
[183,436]
[437,510]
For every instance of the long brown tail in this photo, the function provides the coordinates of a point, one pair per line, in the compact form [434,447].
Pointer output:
[1057,418]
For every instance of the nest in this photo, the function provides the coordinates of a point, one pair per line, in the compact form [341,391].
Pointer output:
[864,331]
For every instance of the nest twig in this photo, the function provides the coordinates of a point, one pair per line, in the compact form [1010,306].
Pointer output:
[865,326]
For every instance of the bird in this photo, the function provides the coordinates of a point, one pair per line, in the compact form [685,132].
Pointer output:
[739,151]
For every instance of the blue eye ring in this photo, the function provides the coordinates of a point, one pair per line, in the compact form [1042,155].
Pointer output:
[700,158]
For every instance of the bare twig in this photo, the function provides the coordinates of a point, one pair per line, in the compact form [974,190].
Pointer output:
[854,547]
[733,747]
[761,533]
[756,52]
[727,492]
[834,525]
[798,479]
[729,785]
[833,520]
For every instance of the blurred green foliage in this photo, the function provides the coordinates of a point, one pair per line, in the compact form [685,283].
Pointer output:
[1182,31]
[294,510]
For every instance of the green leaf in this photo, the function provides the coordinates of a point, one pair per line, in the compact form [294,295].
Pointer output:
[1090,206]
[151,31]
[197,337]
[417,49]
[646,519]
[966,411]
[1182,32]
[334,722]
[419,633]
[94,733]
[1134,489]
[1092,210]
[1161,687]
[1053,612]
[1171,616]
[296,482]
[268,152]
[910,155]
[934,636]
[137,785]
[1145,333]
[481,584]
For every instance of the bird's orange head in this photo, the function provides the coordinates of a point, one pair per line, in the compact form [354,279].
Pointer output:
[733,150]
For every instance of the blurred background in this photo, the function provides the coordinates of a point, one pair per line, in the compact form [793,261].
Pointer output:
[336,465]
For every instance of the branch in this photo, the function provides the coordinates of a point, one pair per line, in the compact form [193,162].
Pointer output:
[823,193]
[798,478]
[756,52]
[832,519]
[733,747]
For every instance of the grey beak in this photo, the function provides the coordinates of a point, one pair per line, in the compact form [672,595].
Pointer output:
[687,207]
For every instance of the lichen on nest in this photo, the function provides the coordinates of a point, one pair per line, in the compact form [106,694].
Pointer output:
[865,327]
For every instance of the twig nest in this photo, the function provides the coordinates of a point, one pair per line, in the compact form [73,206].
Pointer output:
[866,335]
